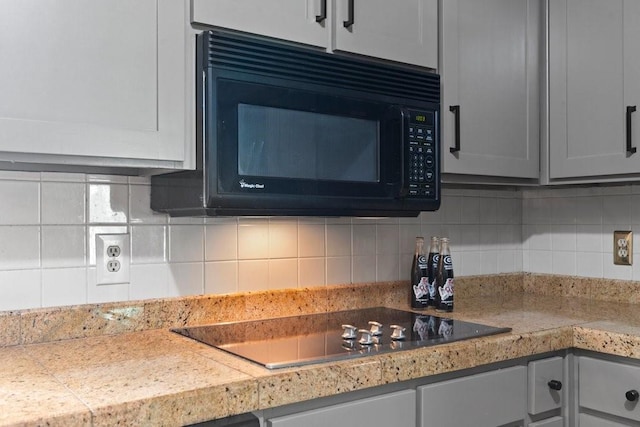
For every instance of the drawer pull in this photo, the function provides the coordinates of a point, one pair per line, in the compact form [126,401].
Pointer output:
[632,395]
[555,385]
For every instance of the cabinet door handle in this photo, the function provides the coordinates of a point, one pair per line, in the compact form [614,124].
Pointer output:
[555,385]
[323,12]
[350,17]
[455,109]
[632,395]
[630,149]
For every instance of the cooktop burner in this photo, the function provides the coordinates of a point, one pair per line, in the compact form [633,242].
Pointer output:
[300,340]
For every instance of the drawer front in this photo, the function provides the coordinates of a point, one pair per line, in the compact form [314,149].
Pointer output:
[591,421]
[542,396]
[549,422]
[485,400]
[603,386]
[394,409]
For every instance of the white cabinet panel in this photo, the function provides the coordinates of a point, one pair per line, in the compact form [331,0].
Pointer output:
[603,386]
[490,72]
[550,422]
[591,421]
[103,79]
[401,30]
[594,61]
[293,20]
[393,409]
[544,395]
[490,399]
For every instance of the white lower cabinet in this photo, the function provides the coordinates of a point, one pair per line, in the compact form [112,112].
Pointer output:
[490,399]
[511,394]
[393,409]
[608,392]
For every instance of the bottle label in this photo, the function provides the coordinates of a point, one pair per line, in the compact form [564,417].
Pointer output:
[422,262]
[448,265]
[446,290]
[421,289]
[436,257]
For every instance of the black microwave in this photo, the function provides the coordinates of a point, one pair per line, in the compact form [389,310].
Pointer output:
[284,129]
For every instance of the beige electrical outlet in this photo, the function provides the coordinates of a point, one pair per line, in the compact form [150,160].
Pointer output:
[622,247]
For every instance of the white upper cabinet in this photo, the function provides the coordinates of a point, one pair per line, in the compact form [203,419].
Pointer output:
[490,60]
[400,30]
[301,21]
[94,83]
[594,87]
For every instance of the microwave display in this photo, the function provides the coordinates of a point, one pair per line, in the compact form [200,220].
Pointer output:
[284,143]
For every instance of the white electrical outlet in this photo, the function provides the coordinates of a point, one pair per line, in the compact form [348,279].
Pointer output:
[112,259]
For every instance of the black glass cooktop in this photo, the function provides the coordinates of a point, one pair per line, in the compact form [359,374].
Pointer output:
[300,340]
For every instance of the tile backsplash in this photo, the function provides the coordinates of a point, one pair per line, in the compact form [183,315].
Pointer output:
[48,223]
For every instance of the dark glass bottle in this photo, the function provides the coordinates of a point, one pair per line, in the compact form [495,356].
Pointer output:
[432,266]
[444,277]
[419,286]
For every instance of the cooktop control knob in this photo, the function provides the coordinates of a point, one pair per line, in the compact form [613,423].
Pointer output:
[376,328]
[365,337]
[398,332]
[349,332]
[349,345]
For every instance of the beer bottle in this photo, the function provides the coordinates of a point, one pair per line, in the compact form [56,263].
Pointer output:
[432,266]
[419,286]
[444,277]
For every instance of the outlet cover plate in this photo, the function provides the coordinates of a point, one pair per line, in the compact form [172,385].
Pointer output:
[622,247]
[105,244]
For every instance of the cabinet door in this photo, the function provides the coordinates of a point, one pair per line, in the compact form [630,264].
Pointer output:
[400,30]
[293,20]
[603,387]
[489,69]
[593,68]
[490,399]
[105,80]
[394,409]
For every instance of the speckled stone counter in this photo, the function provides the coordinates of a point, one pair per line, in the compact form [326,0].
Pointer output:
[106,365]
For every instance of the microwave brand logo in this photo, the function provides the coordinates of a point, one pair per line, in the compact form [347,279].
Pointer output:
[244,184]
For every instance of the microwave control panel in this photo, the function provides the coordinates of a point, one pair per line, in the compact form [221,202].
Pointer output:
[421,154]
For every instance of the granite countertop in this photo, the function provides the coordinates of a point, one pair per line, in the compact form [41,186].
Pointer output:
[156,377]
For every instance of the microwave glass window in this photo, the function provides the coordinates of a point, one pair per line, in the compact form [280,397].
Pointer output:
[281,143]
